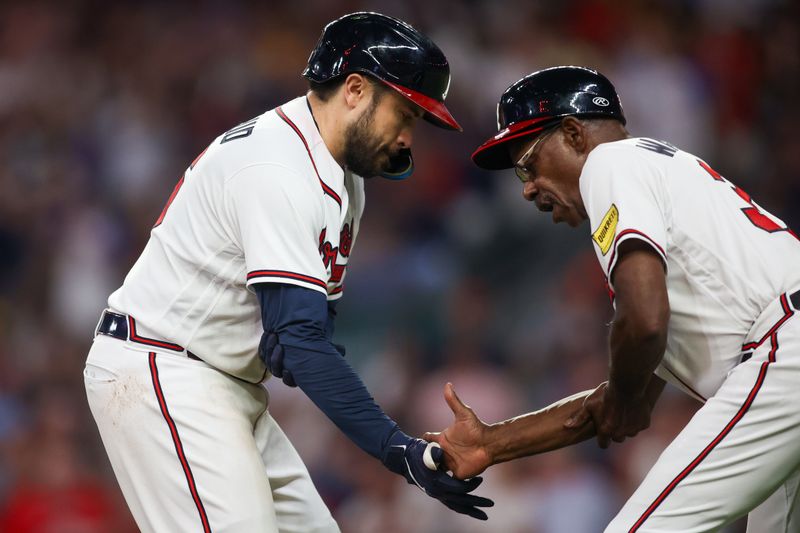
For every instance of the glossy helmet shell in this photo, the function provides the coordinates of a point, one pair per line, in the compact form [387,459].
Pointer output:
[542,99]
[390,50]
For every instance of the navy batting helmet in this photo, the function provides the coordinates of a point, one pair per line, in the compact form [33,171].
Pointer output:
[542,99]
[390,50]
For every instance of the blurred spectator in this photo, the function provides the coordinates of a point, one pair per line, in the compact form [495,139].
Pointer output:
[102,105]
[53,490]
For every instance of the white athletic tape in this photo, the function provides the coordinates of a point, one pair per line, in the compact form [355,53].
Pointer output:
[427,458]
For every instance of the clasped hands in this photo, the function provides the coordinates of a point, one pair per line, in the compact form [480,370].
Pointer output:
[418,461]
[615,416]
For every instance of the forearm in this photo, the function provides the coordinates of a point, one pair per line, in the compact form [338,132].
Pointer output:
[537,432]
[302,319]
[634,356]
[334,387]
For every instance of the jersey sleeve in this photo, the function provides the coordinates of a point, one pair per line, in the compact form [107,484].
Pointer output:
[299,318]
[278,218]
[624,199]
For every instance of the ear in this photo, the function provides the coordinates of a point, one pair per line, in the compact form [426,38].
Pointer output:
[575,134]
[356,88]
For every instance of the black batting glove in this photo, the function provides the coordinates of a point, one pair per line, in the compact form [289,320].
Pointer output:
[404,455]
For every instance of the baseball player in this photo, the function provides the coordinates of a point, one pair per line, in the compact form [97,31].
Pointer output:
[706,289]
[240,280]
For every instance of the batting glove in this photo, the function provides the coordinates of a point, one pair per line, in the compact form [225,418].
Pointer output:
[405,456]
[271,352]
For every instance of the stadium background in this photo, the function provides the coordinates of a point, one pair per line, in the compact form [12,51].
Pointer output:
[455,277]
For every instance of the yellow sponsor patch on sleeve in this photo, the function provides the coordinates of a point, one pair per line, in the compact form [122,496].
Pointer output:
[604,234]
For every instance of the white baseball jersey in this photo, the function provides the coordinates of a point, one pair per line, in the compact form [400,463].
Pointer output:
[726,258]
[265,202]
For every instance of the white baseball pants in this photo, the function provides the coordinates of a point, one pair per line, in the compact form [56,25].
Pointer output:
[740,453]
[194,449]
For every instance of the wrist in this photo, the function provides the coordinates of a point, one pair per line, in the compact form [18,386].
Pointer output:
[397,438]
[623,393]
[394,450]
[491,446]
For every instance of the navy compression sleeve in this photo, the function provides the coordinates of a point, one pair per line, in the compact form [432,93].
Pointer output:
[303,320]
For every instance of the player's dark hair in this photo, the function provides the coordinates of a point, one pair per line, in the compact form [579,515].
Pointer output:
[326,89]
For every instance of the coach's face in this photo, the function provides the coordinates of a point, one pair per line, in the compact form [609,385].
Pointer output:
[550,167]
[382,125]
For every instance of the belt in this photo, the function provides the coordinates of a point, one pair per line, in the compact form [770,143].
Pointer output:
[790,305]
[795,299]
[123,327]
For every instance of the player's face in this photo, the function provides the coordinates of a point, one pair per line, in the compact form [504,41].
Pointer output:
[550,171]
[379,133]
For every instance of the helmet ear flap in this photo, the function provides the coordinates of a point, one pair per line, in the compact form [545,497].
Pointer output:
[401,166]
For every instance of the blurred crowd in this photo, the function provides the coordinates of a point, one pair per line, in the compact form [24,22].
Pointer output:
[455,277]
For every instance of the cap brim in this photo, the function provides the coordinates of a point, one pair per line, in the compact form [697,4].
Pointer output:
[493,154]
[436,112]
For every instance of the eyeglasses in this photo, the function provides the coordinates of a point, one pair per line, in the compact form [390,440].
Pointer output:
[524,173]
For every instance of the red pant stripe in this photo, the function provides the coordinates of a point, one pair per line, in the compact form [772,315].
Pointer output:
[176,440]
[688,470]
[772,334]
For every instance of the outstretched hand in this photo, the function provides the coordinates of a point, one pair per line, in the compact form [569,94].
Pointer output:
[464,442]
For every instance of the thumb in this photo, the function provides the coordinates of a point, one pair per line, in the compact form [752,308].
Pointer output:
[433,437]
[455,403]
